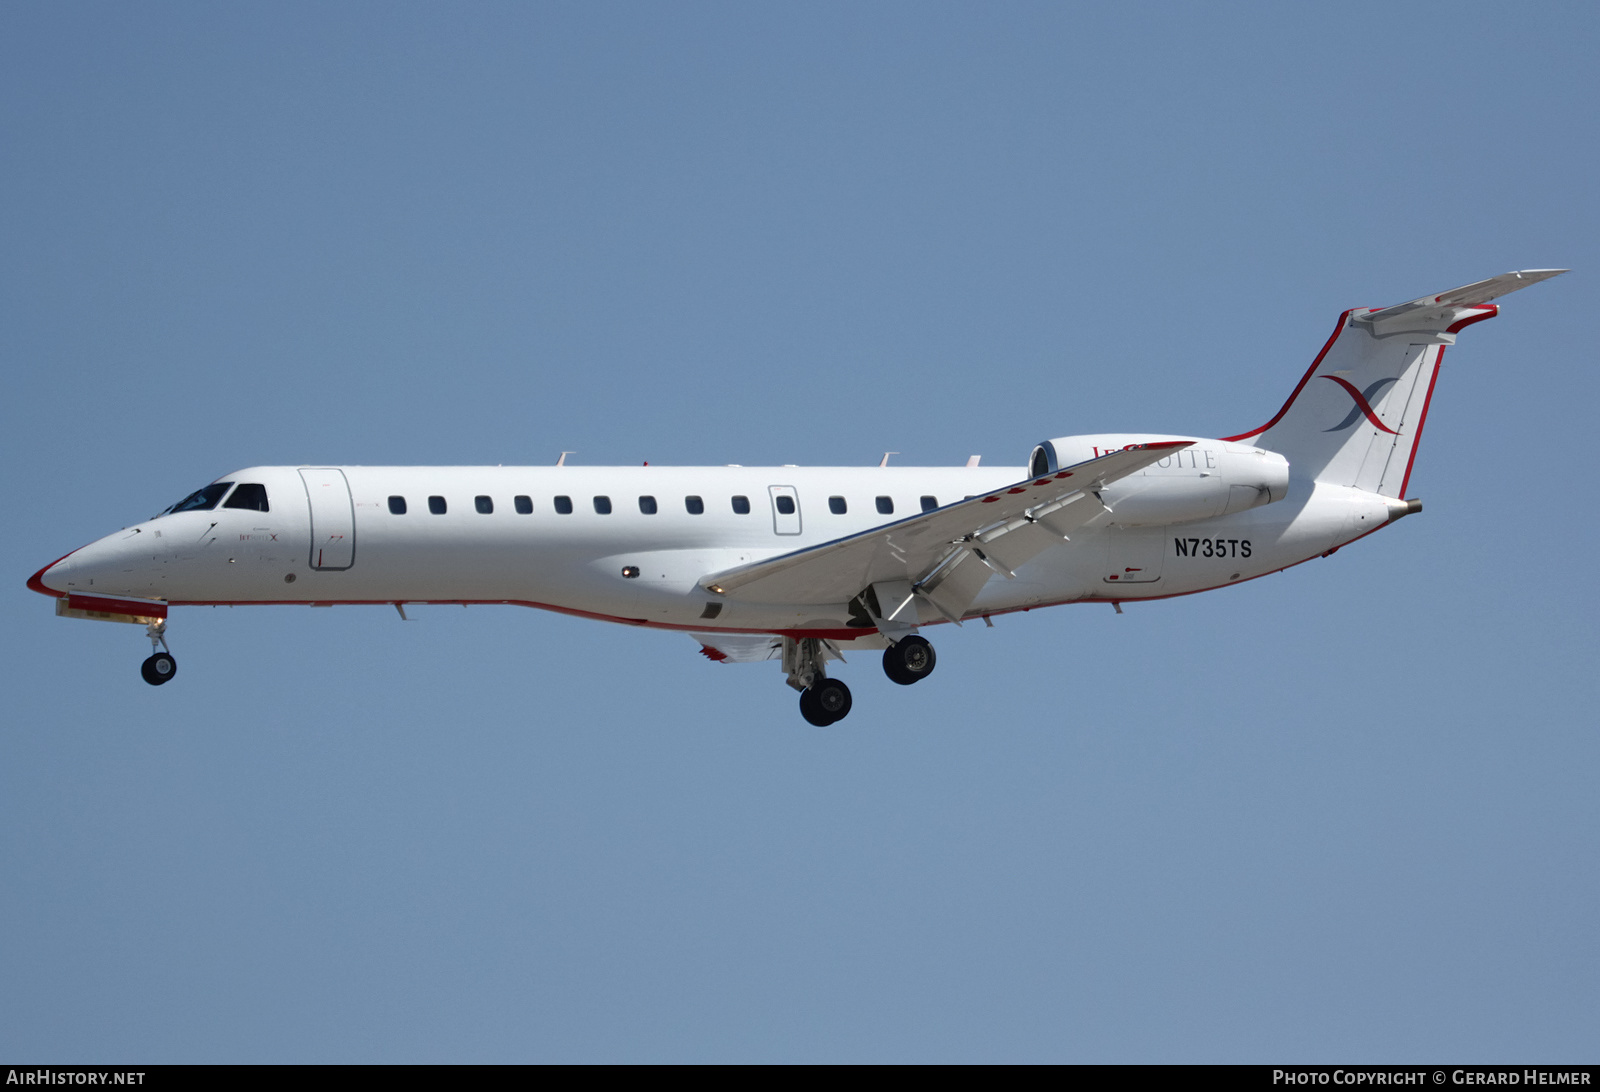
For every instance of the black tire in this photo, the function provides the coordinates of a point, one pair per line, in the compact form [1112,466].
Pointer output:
[909,660]
[833,699]
[811,710]
[159,669]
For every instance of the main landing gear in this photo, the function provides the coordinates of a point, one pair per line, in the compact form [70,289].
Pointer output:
[825,701]
[909,660]
[160,667]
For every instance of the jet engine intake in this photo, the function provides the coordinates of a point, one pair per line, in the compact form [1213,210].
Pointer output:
[1210,478]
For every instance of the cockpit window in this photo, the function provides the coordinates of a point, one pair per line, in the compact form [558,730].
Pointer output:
[203,500]
[249,495]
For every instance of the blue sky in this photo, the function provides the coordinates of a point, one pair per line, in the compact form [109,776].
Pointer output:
[1346,812]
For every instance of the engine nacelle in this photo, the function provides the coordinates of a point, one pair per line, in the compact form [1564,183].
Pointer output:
[1210,478]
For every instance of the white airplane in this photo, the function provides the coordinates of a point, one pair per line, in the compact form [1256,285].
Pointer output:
[804,565]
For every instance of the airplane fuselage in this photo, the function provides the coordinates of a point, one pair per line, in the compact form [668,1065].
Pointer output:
[632,544]
[796,564]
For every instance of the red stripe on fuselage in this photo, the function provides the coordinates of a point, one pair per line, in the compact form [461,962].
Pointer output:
[699,627]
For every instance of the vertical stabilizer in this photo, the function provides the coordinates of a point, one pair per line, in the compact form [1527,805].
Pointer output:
[1357,415]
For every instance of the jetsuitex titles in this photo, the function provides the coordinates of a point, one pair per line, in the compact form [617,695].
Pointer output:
[1577,1077]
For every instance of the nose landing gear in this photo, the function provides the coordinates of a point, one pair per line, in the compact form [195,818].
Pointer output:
[160,667]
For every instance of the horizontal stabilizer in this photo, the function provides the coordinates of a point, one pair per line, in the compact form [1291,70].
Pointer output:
[1469,295]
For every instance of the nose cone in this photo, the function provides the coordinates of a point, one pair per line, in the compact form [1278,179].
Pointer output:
[128,563]
[115,565]
[52,579]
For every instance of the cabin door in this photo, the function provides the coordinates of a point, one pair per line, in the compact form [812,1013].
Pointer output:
[333,519]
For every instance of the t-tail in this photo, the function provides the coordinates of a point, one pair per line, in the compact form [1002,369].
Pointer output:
[1356,417]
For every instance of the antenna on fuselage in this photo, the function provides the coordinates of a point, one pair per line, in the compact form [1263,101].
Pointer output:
[886,455]
[563,460]
[972,460]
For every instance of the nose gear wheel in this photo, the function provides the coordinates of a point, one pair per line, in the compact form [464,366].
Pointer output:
[159,668]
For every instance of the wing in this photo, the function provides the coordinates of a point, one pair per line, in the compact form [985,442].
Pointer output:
[944,556]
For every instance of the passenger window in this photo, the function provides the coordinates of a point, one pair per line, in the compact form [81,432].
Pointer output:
[785,506]
[249,496]
[524,505]
[741,506]
[837,506]
[929,503]
[602,506]
[695,506]
[397,505]
[647,505]
[436,505]
[885,506]
[485,505]
[564,506]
